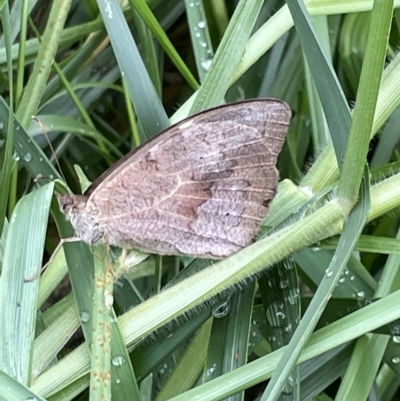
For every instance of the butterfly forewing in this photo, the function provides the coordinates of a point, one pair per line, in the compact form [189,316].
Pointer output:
[199,188]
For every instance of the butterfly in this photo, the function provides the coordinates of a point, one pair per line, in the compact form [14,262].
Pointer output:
[199,188]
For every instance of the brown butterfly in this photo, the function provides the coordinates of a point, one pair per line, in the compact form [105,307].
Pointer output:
[199,188]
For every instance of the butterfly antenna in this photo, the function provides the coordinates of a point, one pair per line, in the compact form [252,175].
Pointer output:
[54,156]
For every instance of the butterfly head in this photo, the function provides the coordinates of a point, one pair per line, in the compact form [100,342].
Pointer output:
[81,217]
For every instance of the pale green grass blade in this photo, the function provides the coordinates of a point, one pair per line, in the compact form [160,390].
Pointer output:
[147,104]
[42,67]
[15,390]
[373,244]
[20,281]
[227,56]
[50,342]
[367,94]
[331,95]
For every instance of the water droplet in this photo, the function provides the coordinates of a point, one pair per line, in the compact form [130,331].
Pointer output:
[328,272]
[206,63]
[117,381]
[203,44]
[84,316]
[211,370]
[396,339]
[1,125]
[16,156]
[222,310]
[118,360]
[28,157]
[201,24]
[361,294]
[396,359]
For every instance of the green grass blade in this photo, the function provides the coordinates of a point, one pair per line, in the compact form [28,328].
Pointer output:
[42,67]
[364,111]
[227,56]
[20,282]
[330,92]
[147,104]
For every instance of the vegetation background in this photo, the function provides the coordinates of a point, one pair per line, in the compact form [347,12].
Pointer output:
[98,82]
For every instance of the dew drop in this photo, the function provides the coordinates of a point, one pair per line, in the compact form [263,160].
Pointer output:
[206,63]
[84,316]
[118,360]
[28,157]
[201,24]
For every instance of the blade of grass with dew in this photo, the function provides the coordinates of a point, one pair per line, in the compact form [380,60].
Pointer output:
[347,329]
[31,156]
[356,279]
[20,281]
[227,56]
[143,9]
[369,351]
[147,104]
[280,294]
[348,239]
[174,301]
[229,338]
[200,36]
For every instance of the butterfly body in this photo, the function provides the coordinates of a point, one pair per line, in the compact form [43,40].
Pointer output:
[200,188]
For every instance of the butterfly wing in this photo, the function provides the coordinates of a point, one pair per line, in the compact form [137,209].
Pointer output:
[201,187]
